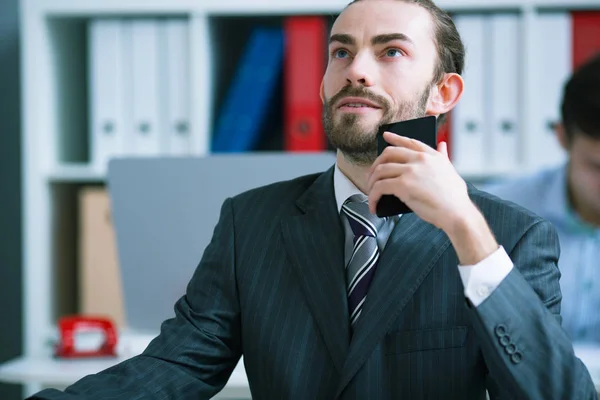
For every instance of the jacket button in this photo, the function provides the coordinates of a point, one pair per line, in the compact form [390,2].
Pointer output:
[516,358]
[500,330]
[510,349]
[505,340]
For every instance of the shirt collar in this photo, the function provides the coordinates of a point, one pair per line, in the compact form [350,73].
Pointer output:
[343,187]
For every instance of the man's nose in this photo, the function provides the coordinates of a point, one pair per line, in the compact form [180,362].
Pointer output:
[360,71]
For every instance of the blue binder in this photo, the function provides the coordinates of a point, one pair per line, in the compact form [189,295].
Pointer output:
[240,119]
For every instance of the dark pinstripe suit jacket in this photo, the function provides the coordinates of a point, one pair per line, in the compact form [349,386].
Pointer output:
[270,286]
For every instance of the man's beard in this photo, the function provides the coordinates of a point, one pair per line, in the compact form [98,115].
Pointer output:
[357,145]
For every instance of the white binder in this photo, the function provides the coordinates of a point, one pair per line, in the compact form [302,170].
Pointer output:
[143,64]
[106,85]
[553,53]
[469,116]
[201,79]
[176,132]
[505,99]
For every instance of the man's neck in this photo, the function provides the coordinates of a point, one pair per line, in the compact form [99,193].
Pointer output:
[357,174]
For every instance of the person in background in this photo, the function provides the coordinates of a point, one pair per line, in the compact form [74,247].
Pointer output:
[568,196]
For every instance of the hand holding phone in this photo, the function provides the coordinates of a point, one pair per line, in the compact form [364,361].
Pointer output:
[423,129]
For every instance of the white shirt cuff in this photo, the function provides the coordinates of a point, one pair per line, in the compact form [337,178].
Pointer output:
[481,279]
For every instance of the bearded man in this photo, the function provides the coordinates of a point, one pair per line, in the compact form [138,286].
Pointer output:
[326,301]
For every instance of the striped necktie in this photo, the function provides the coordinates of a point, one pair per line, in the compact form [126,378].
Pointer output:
[362,264]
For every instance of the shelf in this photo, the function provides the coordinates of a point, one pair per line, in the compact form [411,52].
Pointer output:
[273,7]
[118,7]
[89,7]
[566,4]
[76,173]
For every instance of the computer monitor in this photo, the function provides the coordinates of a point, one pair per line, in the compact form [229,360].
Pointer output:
[164,212]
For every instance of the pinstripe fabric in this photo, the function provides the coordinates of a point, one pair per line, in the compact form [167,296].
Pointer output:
[271,285]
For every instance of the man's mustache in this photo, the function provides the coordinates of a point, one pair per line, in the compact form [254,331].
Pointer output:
[351,91]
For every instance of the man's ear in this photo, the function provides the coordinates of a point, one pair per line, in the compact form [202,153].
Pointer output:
[446,94]
[561,135]
[322,91]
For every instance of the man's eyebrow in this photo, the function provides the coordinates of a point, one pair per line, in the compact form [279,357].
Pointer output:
[389,37]
[379,39]
[343,38]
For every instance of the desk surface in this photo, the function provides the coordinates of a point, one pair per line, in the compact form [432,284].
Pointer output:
[51,371]
[61,373]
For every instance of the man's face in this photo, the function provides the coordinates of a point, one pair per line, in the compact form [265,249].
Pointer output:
[584,154]
[382,57]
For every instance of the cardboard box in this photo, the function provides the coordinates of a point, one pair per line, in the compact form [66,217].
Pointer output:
[100,290]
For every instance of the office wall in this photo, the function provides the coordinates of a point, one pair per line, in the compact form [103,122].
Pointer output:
[10,191]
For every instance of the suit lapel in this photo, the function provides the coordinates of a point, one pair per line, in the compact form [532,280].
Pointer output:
[409,255]
[314,242]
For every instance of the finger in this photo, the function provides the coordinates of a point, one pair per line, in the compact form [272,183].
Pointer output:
[393,154]
[443,148]
[387,171]
[403,141]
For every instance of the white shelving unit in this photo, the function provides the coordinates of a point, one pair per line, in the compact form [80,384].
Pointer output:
[52,131]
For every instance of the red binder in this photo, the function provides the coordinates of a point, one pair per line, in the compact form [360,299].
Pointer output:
[586,35]
[304,65]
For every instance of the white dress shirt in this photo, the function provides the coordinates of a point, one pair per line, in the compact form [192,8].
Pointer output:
[479,280]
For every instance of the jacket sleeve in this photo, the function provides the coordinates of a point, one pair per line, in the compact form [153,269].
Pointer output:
[527,353]
[196,351]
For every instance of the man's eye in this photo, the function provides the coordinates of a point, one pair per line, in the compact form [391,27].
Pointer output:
[341,53]
[393,53]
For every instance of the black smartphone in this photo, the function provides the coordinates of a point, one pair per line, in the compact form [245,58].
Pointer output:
[423,129]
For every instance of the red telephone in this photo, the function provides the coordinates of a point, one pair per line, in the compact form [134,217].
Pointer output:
[70,326]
